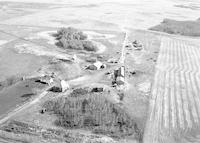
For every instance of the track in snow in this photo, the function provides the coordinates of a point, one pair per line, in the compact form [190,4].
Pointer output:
[175,101]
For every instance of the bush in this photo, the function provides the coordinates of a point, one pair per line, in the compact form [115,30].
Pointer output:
[91,111]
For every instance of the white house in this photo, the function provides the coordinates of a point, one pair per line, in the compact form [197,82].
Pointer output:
[96,66]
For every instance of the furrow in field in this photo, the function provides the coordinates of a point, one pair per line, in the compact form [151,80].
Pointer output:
[195,81]
[166,92]
[180,118]
[172,102]
[184,87]
[166,102]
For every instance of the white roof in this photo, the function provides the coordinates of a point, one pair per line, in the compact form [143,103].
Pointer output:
[98,64]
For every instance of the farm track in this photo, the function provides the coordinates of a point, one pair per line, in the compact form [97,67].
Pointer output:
[175,99]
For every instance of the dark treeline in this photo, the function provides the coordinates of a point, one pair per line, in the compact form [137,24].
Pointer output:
[91,111]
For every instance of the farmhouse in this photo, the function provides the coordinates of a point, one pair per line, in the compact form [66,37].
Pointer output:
[96,66]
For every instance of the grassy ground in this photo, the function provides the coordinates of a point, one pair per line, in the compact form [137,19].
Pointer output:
[186,28]
[17,93]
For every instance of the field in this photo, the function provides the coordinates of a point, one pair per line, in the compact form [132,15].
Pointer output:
[174,108]
[77,92]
